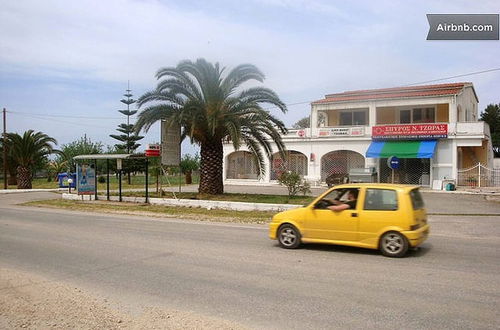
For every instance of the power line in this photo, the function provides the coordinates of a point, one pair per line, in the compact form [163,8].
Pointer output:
[417,83]
[56,120]
[63,116]
[267,108]
[461,75]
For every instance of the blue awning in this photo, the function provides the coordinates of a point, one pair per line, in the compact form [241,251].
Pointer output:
[401,149]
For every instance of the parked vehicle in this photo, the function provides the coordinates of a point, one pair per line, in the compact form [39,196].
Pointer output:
[336,179]
[388,217]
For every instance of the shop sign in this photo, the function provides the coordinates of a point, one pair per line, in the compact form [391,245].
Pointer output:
[342,131]
[410,132]
[153,150]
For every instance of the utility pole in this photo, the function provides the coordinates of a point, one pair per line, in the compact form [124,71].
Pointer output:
[5,149]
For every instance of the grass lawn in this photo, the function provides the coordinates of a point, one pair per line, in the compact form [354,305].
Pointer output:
[199,214]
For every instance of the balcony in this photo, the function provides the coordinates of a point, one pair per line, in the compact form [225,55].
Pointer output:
[297,133]
[329,132]
[477,129]
[464,129]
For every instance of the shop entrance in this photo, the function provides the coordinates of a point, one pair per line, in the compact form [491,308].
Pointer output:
[412,171]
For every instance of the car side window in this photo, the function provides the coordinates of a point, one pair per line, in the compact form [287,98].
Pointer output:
[381,200]
[341,196]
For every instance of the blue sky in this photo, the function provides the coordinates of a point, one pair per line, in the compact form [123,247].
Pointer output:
[63,59]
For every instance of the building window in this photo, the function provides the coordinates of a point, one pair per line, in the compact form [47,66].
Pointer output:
[405,117]
[353,118]
[417,116]
[423,115]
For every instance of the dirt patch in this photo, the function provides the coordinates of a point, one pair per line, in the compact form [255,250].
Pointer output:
[29,301]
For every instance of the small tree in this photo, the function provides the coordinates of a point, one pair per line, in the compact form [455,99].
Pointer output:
[128,137]
[491,115]
[302,123]
[294,183]
[83,146]
[188,165]
[55,167]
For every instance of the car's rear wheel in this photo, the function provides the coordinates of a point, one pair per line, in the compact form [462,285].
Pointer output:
[393,244]
[288,236]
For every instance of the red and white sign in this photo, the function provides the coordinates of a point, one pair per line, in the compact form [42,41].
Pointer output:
[410,132]
[342,131]
[301,133]
[153,150]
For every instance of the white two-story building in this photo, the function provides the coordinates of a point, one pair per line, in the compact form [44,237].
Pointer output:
[432,129]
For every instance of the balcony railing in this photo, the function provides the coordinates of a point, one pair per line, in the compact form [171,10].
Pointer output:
[469,128]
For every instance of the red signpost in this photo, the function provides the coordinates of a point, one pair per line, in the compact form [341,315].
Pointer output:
[153,150]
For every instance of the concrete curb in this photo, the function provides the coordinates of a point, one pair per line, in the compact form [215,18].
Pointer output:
[17,191]
[224,205]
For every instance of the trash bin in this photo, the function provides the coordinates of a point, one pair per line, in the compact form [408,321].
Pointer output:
[63,180]
[450,186]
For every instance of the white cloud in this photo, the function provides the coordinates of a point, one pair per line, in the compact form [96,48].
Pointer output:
[312,47]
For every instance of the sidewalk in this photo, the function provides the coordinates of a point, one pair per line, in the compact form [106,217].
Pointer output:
[16,191]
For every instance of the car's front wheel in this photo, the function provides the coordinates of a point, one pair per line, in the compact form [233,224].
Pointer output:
[288,236]
[393,244]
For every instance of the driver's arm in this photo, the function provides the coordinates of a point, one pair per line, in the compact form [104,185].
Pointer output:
[334,201]
[340,207]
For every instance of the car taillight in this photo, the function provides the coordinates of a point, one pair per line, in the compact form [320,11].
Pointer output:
[415,227]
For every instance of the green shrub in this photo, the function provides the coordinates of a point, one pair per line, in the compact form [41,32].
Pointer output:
[294,183]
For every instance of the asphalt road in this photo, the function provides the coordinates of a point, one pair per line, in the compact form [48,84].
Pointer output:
[235,272]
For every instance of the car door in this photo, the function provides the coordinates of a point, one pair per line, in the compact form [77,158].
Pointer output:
[323,223]
[380,210]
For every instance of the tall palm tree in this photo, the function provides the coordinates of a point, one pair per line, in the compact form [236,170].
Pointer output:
[27,151]
[211,107]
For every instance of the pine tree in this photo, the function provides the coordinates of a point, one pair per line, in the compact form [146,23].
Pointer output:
[128,138]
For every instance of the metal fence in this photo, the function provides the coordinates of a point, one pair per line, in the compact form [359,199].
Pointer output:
[337,164]
[294,161]
[411,171]
[241,165]
[479,176]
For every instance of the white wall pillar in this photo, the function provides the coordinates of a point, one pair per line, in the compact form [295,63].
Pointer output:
[267,166]
[453,111]
[314,122]
[370,162]
[454,160]
[372,115]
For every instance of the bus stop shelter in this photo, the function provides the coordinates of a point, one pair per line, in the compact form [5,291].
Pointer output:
[118,158]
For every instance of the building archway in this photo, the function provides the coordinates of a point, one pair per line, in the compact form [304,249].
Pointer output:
[294,161]
[338,164]
[242,165]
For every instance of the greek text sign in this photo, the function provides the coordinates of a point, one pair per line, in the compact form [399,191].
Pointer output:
[170,145]
[463,26]
[410,132]
[342,131]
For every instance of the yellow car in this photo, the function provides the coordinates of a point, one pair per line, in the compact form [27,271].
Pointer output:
[388,217]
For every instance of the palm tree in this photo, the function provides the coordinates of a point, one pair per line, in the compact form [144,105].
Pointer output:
[27,151]
[211,108]
[55,167]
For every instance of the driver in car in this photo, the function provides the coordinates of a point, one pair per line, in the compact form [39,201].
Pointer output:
[352,196]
